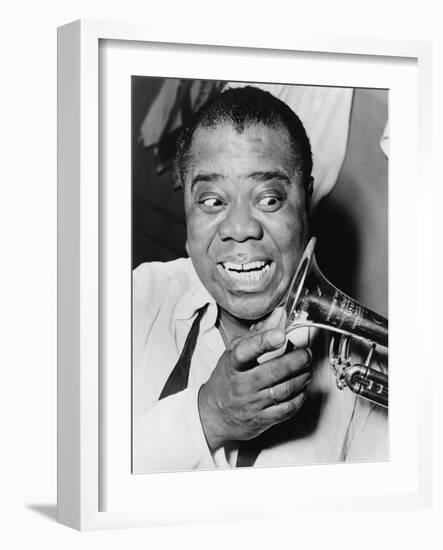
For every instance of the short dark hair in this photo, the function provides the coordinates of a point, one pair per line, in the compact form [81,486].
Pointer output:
[243,107]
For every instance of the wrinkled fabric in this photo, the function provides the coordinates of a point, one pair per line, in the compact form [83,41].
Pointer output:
[165,113]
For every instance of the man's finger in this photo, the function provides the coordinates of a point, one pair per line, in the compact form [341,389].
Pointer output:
[282,411]
[247,350]
[285,390]
[281,368]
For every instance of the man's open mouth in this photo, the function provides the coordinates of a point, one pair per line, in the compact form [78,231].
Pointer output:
[247,272]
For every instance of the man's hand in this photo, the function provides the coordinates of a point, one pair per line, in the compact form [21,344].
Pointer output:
[236,403]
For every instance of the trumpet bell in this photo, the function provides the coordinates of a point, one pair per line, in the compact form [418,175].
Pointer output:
[314,301]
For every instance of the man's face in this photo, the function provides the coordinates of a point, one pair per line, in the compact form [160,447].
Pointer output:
[246,216]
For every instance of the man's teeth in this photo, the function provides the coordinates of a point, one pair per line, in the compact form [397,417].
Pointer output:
[244,267]
[251,271]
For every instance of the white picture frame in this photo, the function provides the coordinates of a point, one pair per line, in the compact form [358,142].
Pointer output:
[79,296]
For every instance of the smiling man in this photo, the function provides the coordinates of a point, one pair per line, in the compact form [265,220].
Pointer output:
[215,382]
[245,201]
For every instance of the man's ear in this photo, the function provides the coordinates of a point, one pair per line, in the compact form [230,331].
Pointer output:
[309,193]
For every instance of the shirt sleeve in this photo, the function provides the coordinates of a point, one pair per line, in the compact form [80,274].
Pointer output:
[168,436]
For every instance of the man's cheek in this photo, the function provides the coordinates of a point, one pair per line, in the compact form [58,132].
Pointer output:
[194,234]
[292,237]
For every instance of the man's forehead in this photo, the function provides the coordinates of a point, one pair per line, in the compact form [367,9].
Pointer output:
[225,128]
[264,142]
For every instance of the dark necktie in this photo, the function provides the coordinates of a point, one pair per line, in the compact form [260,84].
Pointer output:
[178,379]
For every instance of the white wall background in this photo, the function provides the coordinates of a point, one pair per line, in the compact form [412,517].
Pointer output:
[28,266]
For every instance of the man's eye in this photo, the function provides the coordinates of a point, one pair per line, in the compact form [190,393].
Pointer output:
[270,203]
[211,203]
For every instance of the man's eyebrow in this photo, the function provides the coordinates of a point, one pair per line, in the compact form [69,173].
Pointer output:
[205,177]
[264,176]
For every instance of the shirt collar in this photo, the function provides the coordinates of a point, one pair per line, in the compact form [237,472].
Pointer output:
[195,297]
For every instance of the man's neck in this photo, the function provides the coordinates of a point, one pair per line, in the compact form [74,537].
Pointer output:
[231,327]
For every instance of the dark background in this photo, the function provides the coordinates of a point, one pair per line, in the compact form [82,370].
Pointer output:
[351,223]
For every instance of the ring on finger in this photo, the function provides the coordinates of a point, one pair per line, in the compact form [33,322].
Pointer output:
[274,400]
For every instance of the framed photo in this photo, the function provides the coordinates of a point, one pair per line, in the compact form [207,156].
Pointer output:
[126,100]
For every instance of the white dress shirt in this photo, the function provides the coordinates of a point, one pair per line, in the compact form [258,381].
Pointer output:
[332,426]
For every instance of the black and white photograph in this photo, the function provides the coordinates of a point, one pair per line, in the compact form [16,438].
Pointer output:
[221,273]
[259,274]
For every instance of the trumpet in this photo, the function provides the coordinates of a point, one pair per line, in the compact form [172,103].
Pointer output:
[313,301]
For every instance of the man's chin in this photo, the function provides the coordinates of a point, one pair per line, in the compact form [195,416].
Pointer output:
[251,313]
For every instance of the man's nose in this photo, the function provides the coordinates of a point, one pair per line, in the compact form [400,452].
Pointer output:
[239,224]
